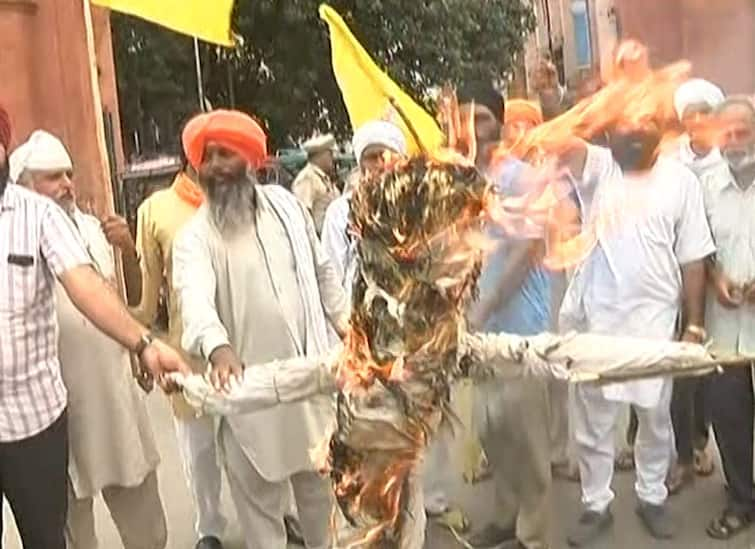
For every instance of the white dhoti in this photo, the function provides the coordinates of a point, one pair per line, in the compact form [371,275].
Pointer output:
[261,504]
[595,420]
[197,445]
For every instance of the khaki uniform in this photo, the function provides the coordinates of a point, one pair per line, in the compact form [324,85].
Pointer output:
[316,191]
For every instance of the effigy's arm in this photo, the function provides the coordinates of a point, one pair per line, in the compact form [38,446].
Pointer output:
[587,357]
[261,386]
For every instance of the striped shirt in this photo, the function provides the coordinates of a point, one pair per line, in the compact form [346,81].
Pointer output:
[38,242]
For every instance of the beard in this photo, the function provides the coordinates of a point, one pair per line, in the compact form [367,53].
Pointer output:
[231,203]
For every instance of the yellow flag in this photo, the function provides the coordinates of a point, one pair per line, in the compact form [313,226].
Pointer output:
[208,20]
[367,91]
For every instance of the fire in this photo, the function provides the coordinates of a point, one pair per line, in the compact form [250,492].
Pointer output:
[635,98]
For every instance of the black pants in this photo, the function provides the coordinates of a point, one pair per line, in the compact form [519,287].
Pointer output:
[33,474]
[732,410]
[690,414]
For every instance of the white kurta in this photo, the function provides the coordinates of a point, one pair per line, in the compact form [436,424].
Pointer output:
[110,436]
[731,214]
[244,292]
[631,284]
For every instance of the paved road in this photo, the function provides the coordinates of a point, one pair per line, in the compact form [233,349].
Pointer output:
[693,509]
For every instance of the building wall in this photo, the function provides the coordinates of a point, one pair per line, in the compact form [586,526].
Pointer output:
[48,83]
[718,37]
[603,32]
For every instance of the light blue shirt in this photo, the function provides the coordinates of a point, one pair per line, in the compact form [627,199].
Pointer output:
[528,310]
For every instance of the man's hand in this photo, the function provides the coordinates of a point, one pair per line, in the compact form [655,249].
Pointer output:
[225,366]
[118,233]
[161,359]
[728,294]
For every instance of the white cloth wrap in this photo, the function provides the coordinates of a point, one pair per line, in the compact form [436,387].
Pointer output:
[584,354]
[260,387]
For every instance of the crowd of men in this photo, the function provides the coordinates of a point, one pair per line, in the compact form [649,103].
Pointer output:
[256,273]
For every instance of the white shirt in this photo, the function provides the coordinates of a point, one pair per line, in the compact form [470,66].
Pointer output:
[38,242]
[648,226]
[731,214]
[338,244]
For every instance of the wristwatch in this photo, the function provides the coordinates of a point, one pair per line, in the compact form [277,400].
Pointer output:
[695,330]
[144,342]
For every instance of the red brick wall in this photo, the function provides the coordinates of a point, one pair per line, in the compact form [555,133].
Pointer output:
[717,36]
[46,82]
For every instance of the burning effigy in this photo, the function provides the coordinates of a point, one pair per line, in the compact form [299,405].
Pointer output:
[418,228]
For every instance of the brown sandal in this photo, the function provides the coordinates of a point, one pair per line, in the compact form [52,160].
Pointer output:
[728,525]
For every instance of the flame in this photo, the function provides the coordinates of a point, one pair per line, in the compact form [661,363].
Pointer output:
[636,97]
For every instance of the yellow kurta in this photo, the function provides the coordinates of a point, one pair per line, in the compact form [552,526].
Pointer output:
[160,218]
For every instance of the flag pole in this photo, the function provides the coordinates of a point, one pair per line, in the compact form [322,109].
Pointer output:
[200,85]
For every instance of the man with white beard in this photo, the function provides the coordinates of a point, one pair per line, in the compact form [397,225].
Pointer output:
[254,286]
[112,450]
[729,202]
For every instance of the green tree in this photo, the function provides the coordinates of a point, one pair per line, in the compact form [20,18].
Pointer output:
[281,71]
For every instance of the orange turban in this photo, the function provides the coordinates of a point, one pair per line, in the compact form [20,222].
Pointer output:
[522,109]
[233,130]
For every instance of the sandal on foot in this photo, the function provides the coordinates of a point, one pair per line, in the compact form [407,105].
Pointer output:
[728,525]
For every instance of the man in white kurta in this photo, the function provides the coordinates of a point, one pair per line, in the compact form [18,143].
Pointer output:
[259,292]
[112,449]
[651,231]
[730,317]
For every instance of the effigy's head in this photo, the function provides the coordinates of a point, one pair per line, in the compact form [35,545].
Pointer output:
[418,227]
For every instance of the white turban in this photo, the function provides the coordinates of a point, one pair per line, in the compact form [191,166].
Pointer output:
[378,132]
[42,151]
[17,161]
[697,91]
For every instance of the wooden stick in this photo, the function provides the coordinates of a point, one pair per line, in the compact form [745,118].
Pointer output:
[667,368]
